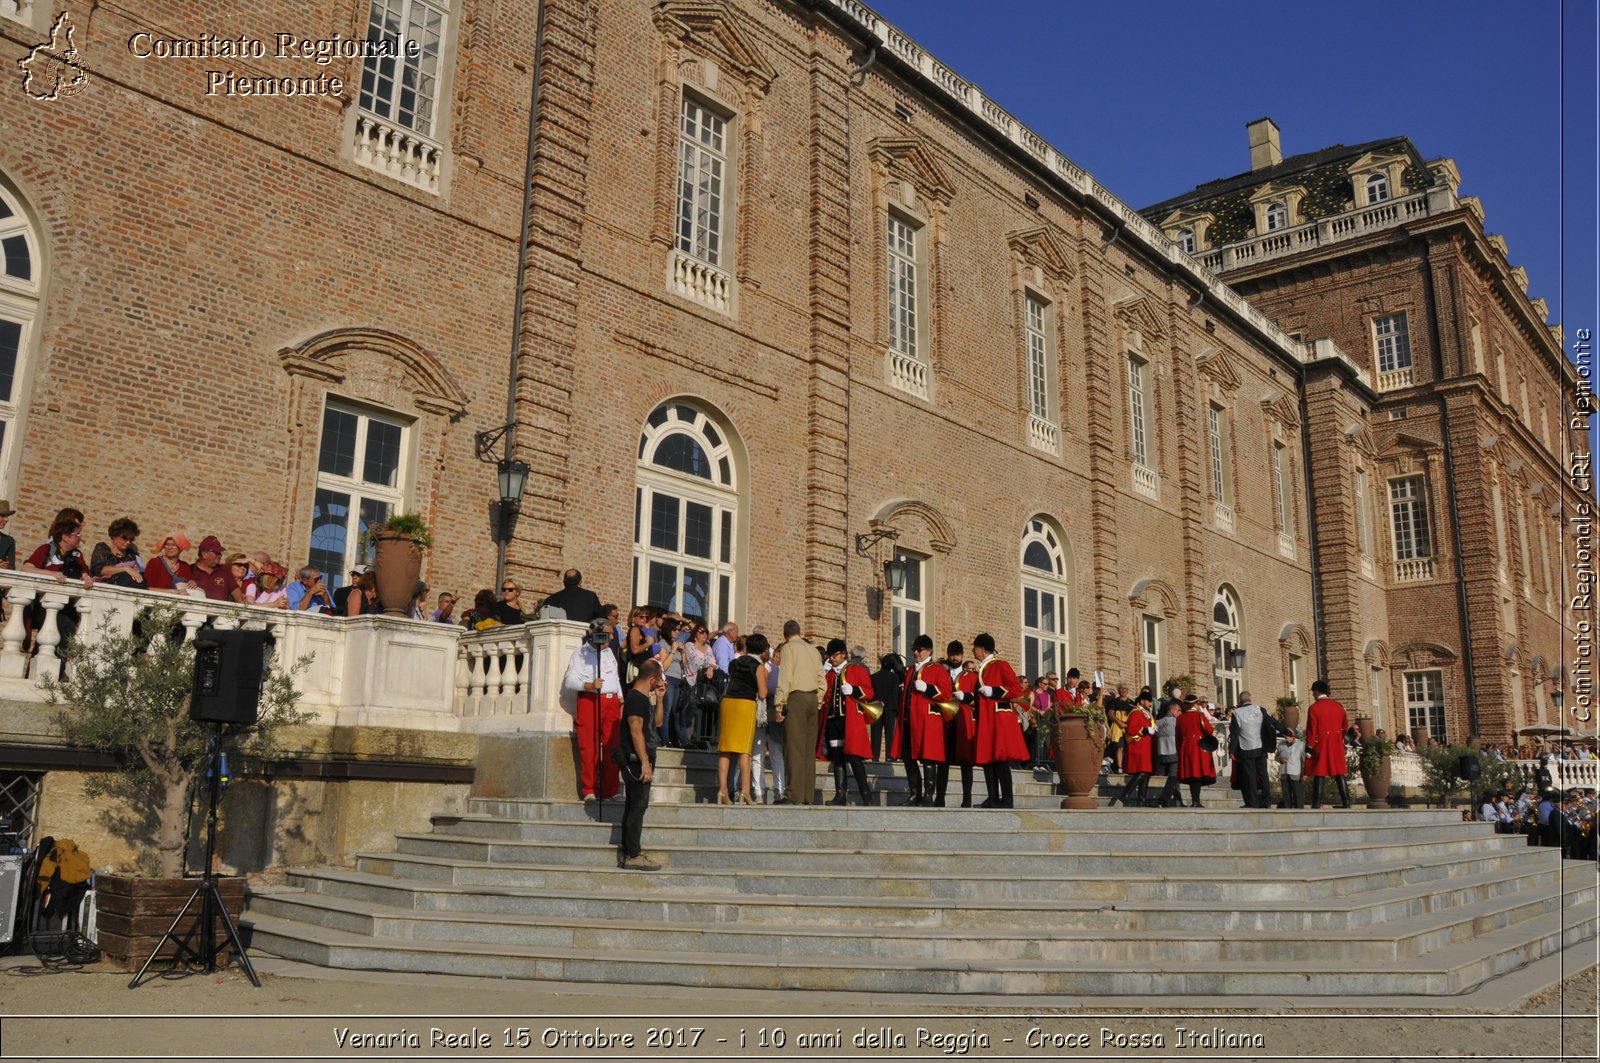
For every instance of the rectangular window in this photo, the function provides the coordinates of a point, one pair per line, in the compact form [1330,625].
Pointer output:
[702,177]
[902,287]
[1217,438]
[1526,554]
[1297,675]
[1408,509]
[1375,681]
[1363,518]
[1038,358]
[1136,412]
[402,84]
[1280,487]
[1425,702]
[1150,652]
[910,605]
[1393,342]
[361,475]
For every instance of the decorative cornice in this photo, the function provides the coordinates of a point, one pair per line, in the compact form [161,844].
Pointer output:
[708,28]
[910,159]
[1039,247]
[323,358]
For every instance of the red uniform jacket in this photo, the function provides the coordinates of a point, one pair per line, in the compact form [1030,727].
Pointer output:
[1140,756]
[1325,727]
[961,744]
[857,738]
[1194,763]
[924,724]
[1000,738]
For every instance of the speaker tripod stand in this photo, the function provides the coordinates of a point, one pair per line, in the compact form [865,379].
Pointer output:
[211,906]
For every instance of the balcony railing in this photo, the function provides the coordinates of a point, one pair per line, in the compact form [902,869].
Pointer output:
[1043,435]
[1147,481]
[1222,516]
[906,373]
[398,152]
[1286,544]
[700,282]
[365,671]
[1394,379]
[1418,568]
[1319,233]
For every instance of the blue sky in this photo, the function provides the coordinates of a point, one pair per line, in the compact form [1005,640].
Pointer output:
[1152,97]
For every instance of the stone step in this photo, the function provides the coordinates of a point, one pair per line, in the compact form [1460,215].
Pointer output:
[1031,834]
[730,855]
[1365,909]
[1017,939]
[1450,969]
[1190,881]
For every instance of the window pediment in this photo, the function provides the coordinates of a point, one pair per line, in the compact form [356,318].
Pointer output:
[325,357]
[1040,247]
[1281,413]
[909,159]
[708,29]
[1140,315]
[1217,366]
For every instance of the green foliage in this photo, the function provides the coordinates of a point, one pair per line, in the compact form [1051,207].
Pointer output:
[1287,701]
[1440,783]
[1092,713]
[1184,681]
[1368,756]
[412,526]
[129,696]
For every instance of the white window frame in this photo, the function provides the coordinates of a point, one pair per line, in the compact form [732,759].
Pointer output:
[1036,320]
[357,490]
[902,240]
[1376,681]
[719,493]
[1186,243]
[906,603]
[1152,638]
[701,219]
[1228,635]
[1276,215]
[425,72]
[1425,701]
[1138,400]
[1297,675]
[1044,585]
[1280,487]
[1363,515]
[1408,518]
[1391,342]
[1217,442]
[1377,188]
[19,304]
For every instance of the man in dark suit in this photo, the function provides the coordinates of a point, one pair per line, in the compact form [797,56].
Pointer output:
[576,600]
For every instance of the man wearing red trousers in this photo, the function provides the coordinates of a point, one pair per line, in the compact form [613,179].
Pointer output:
[927,683]
[1000,739]
[592,682]
[1325,727]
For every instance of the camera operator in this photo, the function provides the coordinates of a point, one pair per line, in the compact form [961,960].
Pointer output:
[592,679]
[635,756]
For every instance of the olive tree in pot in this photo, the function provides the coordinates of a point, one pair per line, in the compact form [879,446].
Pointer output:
[399,544]
[128,695]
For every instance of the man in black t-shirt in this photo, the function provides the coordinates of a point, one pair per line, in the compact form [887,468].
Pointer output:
[638,747]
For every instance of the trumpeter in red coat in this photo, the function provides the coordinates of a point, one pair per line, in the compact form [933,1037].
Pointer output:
[920,736]
[843,738]
[1140,756]
[1195,765]
[1325,727]
[999,729]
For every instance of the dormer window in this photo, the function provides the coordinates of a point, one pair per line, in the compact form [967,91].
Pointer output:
[1277,216]
[1185,240]
[1377,188]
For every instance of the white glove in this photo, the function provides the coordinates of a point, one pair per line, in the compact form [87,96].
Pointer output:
[922,687]
[989,692]
[963,697]
[847,690]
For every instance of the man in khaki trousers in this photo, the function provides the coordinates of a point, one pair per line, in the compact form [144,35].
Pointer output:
[800,685]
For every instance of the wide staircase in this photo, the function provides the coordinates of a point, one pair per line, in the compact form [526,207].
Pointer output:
[1031,901]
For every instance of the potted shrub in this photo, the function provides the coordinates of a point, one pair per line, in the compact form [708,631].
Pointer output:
[398,546]
[1289,712]
[1371,758]
[128,695]
[1080,734]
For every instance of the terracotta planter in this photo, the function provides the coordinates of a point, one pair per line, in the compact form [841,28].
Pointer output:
[1078,759]
[132,914]
[397,567]
[1377,784]
[1366,728]
[1289,716]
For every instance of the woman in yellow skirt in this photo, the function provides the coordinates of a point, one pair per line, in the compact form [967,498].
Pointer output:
[736,733]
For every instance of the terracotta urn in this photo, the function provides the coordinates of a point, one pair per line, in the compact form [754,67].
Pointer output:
[1078,758]
[397,566]
[1377,784]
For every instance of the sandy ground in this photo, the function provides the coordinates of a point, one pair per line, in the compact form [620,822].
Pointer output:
[1545,1012]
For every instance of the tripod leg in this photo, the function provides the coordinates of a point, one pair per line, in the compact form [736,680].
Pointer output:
[233,936]
[172,936]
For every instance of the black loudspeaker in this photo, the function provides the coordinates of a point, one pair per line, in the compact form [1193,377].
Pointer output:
[229,667]
[1469,768]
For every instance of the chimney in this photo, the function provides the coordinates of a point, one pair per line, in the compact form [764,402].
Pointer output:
[1264,150]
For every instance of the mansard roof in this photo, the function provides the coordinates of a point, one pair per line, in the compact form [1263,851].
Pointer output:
[1323,174]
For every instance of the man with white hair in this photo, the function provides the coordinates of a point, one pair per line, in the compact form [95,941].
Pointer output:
[724,648]
[1249,730]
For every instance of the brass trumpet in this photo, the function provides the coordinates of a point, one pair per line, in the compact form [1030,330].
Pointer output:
[947,709]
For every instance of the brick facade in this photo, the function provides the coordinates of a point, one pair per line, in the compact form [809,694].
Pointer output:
[224,266]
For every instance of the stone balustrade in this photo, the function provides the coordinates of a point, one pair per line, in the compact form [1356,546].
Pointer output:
[401,153]
[377,671]
[908,374]
[700,282]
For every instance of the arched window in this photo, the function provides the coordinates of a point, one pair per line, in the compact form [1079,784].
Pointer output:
[1186,239]
[685,517]
[20,287]
[1227,640]
[1377,188]
[1277,216]
[1046,599]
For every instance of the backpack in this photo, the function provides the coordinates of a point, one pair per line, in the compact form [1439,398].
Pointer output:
[66,860]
